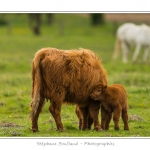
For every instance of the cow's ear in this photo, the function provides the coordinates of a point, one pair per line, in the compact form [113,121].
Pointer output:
[104,87]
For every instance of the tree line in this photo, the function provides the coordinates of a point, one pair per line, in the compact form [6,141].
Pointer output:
[35,20]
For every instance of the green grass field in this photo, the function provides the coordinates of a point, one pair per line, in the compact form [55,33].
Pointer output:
[16,53]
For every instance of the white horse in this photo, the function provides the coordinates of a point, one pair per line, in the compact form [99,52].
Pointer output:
[129,35]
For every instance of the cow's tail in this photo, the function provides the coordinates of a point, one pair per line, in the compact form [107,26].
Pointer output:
[37,86]
[117,48]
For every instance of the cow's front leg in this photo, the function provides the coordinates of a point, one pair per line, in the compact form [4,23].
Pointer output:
[78,113]
[94,113]
[84,114]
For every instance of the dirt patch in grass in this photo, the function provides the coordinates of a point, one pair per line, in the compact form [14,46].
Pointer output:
[135,118]
[2,104]
[9,124]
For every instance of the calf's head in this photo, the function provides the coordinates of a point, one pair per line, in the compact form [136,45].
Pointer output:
[98,93]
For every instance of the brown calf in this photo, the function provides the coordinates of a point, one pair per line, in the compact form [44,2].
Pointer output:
[113,101]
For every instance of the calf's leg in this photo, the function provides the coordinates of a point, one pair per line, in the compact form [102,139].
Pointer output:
[108,121]
[90,122]
[104,117]
[125,118]
[116,116]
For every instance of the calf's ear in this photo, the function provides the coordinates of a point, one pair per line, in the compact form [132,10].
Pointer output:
[104,87]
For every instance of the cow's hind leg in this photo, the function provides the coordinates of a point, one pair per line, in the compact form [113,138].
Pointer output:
[55,110]
[36,109]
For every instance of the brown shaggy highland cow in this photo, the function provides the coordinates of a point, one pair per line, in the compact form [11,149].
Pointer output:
[113,101]
[64,76]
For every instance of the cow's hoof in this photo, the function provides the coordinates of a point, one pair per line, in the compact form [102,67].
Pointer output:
[98,129]
[83,129]
[34,130]
[61,130]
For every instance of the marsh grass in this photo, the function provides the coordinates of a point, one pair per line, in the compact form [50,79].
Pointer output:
[17,51]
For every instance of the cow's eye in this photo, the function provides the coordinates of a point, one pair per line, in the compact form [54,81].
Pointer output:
[98,90]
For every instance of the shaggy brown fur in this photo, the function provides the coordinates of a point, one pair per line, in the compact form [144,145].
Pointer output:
[113,101]
[64,76]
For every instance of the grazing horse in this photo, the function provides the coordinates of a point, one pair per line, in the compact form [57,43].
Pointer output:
[129,35]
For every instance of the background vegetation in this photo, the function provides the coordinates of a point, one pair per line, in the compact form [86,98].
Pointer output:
[68,31]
